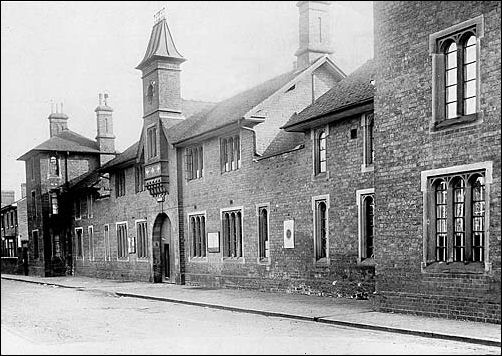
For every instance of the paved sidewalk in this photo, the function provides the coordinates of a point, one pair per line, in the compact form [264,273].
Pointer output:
[337,311]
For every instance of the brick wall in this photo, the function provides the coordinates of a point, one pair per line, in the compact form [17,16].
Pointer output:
[405,147]
[286,183]
[128,208]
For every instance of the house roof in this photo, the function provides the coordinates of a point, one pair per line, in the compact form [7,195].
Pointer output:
[192,107]
[161,45]
[124,159]
[230,110]
[284,142]
[84,180]
[353,90]
[65,140]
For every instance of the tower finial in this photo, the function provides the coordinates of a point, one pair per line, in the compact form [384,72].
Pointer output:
[100,96]
[106,99]
[159,16]
[52,106]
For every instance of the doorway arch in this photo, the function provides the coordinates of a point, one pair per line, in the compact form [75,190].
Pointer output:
[162,250]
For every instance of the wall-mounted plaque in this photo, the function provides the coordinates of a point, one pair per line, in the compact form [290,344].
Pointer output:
[213,242]
[289,234]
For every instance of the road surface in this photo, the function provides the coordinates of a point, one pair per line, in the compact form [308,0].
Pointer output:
[38,319]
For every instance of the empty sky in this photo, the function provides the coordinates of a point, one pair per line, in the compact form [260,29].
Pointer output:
[71,51]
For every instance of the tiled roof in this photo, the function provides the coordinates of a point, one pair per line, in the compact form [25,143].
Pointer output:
[128,155]
[229,110]
[84,180]
[66,140]
[192,107]
[355,88]
[283,142]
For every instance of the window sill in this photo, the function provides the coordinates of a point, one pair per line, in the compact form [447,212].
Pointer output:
[263,260]
[456,267]
[367,262]
[446,124]
[143,259]
[233,259]
[367,168]
[323,262]
[324,176]
[198,259]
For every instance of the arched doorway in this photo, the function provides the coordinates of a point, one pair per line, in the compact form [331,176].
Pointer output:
[163,250]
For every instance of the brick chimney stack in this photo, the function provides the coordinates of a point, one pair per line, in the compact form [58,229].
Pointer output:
[315,32]
[105,136]
[58,121]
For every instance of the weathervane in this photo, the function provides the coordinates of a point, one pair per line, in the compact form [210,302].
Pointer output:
[160,15]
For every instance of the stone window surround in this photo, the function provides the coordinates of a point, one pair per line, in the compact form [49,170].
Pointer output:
[76,243]
[360,193]
[263,260]
[142,259]
[149,144]
[367,167]
[189,166]
[232,259]
[487,166]
[323,261]
[92,251]
[107,243]
[191,257]
[122,259]
[313,134]
[438,70]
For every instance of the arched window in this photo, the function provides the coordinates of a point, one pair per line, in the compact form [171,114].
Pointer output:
[478,218]
[232,233]
[458,218]
[458,186]
[263,232]
[369,212]
[149,93]
[230,152]
[469,75]
[455,71]
[451,80]
[320,157]
[195,160]
[321,230]
[441,220]
[460,71]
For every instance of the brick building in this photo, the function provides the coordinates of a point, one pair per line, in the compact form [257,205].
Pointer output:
[380,183]
[14,233]
[50,167]
[437,160]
